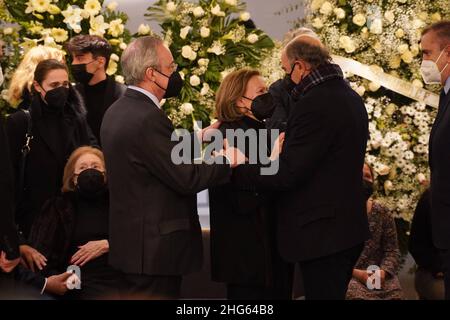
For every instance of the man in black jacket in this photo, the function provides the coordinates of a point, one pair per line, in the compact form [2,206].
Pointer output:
[90,59]
[322,220]
[155,235]
[435,68]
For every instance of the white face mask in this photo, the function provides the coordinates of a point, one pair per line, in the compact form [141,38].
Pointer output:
[430,70]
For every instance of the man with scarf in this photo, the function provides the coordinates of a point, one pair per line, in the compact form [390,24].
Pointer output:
[322,221]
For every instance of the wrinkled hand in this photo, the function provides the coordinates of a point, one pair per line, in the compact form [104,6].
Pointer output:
[277,147]
[7,265]
[234,155]
[89,251]
[32,257]
[206,133]
[57,284]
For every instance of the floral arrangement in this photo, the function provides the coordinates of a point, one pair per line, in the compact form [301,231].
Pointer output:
[208,39]
[53,22]
[385,34]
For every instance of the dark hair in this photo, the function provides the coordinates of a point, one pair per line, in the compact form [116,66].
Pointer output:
[442,30]
[98,46]
[315,55]
[45,66]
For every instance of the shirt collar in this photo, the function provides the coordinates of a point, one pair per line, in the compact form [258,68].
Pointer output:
[447,86]
[147,93]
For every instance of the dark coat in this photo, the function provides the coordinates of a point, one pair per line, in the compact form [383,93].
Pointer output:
[154,225]
[439,159]
[9,242]
[243,224]
[322,208]
[283,101]
[114,90]
[45,162]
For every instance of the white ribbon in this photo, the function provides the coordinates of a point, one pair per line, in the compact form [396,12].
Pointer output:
[388,81]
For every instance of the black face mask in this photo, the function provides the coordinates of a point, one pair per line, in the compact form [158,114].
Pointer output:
[368,189]
[91,183]
[80,73]
[288,82]
[173,86]
[262,106]
[56,98]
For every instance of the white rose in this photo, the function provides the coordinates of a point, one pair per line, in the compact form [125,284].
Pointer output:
[144,29]
[407,57]
[198,12]
[316,4]
[187,108]
[388,185]
[205,32]
[171,6]
[231,2]
[244,16]
[417,24]
[203,62]
[205,89]
[340,13]
[317,23]
[326,8]
[112,6]
[399,33]
[359,19]
[394,62]
[252,38]
[360,90]
[194,80]
[8,30]
[417,83]
[373,86]
[184,32]
[383,170]
[402,48]
[123,46]
[346,43]
[389,16]
[415,49]
[376,27]
[114,57]
[217,11]
[120,79]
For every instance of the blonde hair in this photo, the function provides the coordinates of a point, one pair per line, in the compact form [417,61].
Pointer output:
[231,89]
[23,76]
[69,169]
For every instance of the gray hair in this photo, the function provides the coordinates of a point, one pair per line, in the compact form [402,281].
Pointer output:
[442,30]
[138,57]
[302,31]
[314,55]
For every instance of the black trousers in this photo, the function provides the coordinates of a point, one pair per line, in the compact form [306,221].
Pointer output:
[146,287]
[327,278]
[445,255]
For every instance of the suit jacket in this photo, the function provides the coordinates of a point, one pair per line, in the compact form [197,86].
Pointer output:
[322,208]
[439,157]
[154,225]
[114,90]
[46,160]
[9,242]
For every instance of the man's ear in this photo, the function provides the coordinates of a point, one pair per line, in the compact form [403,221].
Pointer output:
[37,87]
[102,61]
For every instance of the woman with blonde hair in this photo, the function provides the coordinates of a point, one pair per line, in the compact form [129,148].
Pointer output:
[72,229]
[244,254]
[19,92]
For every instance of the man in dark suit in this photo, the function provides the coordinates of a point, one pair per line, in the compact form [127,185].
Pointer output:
[9,242]
[155,235]
[322,220]
[435,68]
[90,59]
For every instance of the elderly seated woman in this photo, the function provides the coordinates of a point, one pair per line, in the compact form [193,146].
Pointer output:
[380,250]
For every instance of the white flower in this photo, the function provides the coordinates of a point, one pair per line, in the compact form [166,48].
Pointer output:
[317,23]
[326,8]
[143,29]
[421,177]
[49,41]
[417,83]
[40,5]
[112,6]
[417,24]
[205,32]
[203,62]
[194,80]
[244,16]
[171,6]
[187,108]
[123,46]
[394,62]
[389,16]
[346,43]
[114,57]
[198,12]
[184,32]
[402,48]
[8,30]
[93,7]
[435,17]
[231,2]
[373,86]
[359,19]
[414,50]
[120,79]
[316,4]
[252,38]
[382,169]
[360,90]
[98,26]
[116,28]
[407,57]
[400,33]
[409,155]
[376,27]
[217,11]
[388,185]
[205,89]
[188,53]
[217,48]
[112,68]
[340,13]
[72,17]
[53,9]
[59,34]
